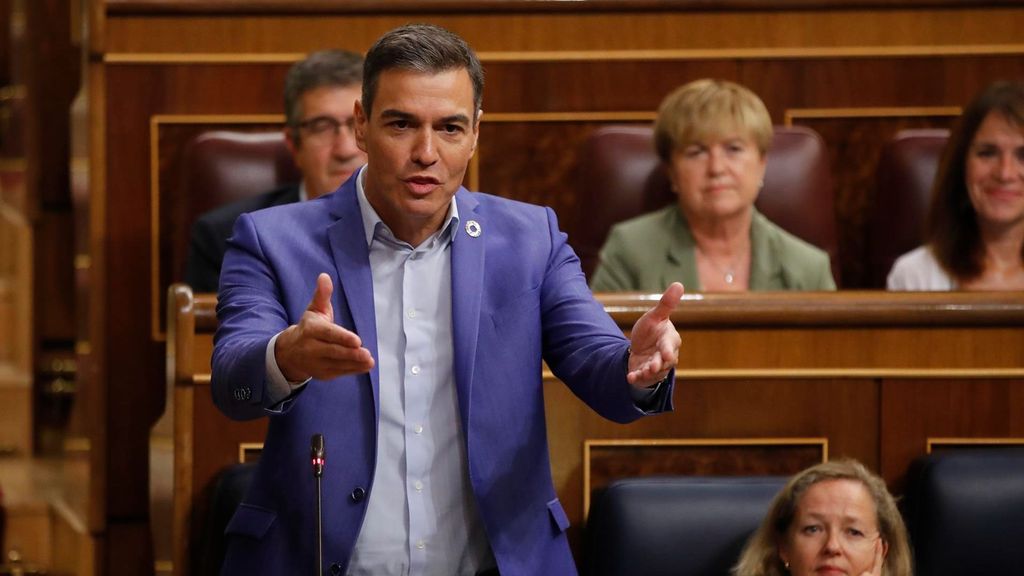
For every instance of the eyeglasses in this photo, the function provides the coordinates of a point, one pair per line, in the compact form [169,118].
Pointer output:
[323,129]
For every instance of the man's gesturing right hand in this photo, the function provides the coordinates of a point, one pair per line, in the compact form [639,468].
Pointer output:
[318,348]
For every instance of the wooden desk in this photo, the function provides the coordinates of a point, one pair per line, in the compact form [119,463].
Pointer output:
[765,383]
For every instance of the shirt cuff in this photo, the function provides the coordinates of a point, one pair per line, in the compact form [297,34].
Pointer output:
[642,396]
[279,388]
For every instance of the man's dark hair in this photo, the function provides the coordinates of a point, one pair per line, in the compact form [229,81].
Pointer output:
[423,48]
[339,68]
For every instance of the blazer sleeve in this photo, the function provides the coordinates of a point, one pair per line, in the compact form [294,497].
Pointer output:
[582,344]
[250,314]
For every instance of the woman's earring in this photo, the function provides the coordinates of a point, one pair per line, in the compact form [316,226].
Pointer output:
[786,564]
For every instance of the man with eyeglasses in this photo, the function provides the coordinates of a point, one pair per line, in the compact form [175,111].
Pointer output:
[319,94]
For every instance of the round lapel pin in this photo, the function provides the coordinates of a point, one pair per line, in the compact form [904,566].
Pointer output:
[473,228]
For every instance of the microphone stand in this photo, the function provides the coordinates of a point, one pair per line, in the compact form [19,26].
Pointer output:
[316,452]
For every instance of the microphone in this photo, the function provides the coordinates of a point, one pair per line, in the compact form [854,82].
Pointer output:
[316,455]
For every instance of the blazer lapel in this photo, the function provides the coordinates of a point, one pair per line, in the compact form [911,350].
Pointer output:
[681,256]
[354,286]
[765,264]
[467,288]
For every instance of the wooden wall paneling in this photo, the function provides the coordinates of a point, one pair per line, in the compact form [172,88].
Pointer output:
[854,143]
[790,388]
[914,410]
[605,461]
[205,441]
[580,30]
[841,410]
[170,226]
[135,95]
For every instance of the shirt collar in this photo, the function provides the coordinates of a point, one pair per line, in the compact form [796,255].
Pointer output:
[371,220]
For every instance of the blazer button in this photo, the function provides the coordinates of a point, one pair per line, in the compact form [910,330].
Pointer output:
[335,569]
[358,494]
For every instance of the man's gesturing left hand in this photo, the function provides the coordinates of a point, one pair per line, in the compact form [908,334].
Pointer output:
[654,341]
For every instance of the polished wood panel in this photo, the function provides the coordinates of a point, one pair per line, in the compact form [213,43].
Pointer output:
[867,373]
[359,6]
[605,461]
[204,440]
[721,31]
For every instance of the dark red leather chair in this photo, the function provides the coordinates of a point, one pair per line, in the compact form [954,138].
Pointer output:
[222,166]
[622,177]
[903,188]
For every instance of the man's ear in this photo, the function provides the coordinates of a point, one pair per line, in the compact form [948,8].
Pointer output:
[361,122]
[290,140]
[476,128]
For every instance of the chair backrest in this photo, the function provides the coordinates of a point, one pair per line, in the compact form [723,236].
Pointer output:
[622,177]
[227,493]
[903,188]
[222,166]
[965,512]
[683,526]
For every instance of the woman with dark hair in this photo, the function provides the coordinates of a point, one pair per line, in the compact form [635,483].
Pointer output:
[975,228]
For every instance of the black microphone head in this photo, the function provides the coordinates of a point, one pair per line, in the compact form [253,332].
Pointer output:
[316,454]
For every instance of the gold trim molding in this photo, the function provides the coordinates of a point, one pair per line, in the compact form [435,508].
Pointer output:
[792,53]
[932,443]
[876,112]
[247,449]
[589,445]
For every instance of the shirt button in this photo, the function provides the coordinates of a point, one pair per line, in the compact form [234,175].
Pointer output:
[421,545]
[418,429]
[358,494]
[415,370]
[418,486]
[412,313]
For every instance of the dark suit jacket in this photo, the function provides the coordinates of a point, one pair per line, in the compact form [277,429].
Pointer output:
[518,295]
[211,231]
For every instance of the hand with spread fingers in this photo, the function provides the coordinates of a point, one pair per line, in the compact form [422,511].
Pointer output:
[318,348]
[654,341]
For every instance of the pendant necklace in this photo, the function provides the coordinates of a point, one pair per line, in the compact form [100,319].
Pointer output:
[728,273]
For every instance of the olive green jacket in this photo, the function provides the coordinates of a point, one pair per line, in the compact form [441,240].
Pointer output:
[649,252]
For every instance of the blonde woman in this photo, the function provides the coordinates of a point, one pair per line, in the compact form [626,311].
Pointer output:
[832,518]
[712,137]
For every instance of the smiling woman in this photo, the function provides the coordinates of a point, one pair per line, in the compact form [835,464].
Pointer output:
[832,518]
[975,228]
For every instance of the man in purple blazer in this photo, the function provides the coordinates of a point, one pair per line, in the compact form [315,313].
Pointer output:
[406,319]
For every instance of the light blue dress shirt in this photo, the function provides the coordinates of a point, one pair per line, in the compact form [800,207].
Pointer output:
[421,517]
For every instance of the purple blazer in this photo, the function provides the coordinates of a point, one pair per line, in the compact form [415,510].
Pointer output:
[519,296]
